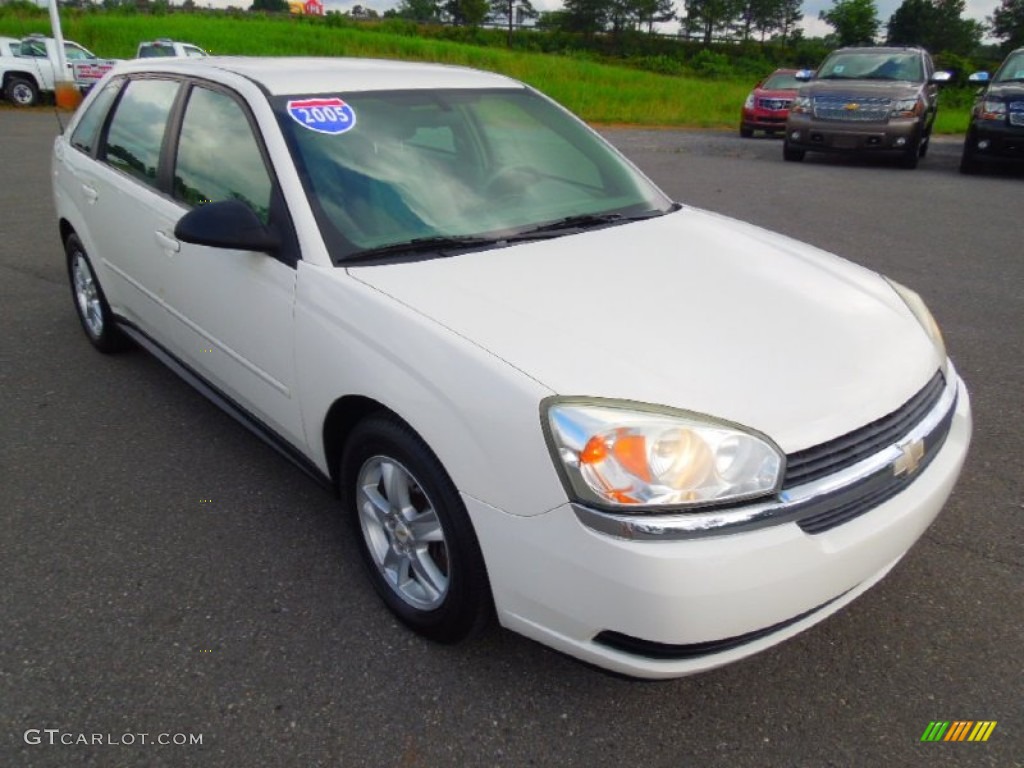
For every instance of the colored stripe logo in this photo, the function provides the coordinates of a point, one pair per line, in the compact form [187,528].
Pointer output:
[958,730]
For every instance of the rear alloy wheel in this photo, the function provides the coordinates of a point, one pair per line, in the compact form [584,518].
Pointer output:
[416,538]
[791,154]
[21,92]
[90,303]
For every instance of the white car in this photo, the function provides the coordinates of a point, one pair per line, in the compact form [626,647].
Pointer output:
[649,436]
[166,48]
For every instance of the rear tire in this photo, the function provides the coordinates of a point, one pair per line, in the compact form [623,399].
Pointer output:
[90,303]
[791,154]
[415,537]
[21,92]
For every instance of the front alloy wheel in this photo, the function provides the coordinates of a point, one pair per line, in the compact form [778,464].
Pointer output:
[402,532]
[416,539]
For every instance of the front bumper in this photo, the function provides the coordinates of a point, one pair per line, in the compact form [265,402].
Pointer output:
[677,606]
[764,119]
[896,135]
[992,139]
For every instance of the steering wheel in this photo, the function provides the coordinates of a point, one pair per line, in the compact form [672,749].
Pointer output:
[511,181]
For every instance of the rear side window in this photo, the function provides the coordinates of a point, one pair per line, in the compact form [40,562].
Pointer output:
[219,157]
[154,50]
[88,129]
[137,128]
[74,52]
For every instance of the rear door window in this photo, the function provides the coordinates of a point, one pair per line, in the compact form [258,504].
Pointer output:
[137,128]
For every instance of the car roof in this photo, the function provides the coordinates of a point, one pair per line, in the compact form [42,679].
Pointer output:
[881,49]
[285,75]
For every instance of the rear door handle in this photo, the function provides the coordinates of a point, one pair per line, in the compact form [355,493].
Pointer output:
[167,242]
[91,195]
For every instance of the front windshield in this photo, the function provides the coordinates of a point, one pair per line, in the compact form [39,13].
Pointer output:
[1012,69]
[388,167]
[872,66]
[781,82]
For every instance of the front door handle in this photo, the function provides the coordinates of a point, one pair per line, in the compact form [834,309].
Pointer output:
[90,193]
[167,242]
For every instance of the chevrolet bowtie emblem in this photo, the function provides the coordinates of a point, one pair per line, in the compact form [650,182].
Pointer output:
[911,454]
[852,106]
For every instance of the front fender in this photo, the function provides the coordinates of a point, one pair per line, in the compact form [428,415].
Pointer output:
[477,413]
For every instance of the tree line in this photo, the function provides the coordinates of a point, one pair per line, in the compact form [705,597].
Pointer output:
[936,25]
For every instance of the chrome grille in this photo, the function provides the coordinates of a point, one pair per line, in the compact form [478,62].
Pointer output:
[1016,110]
[852,110]
[774,104]
[825,459]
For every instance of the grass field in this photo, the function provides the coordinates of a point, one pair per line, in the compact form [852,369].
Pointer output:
[599,93]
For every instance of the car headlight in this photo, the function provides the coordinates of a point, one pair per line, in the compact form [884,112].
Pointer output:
[907,108]
[993,110]
[801,105]
[749,103]
[919,310]
[635,457]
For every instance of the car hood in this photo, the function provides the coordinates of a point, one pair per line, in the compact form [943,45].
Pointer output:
[889,89]
[690,310]
[1006,91]
[774,93]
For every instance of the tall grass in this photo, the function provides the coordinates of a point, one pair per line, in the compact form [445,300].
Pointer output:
[599,93]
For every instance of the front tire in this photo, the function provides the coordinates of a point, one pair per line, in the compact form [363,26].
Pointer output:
[746,133]
[415,536]
[90,303]
[791,154]
[21,92]
[911,157]
[969,162]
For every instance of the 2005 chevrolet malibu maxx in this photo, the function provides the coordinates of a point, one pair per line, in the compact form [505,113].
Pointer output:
[651,437]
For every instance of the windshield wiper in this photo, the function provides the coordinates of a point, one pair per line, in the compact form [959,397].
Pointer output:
[586,221]
[423,245]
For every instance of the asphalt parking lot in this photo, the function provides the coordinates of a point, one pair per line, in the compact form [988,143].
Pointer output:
[163,572]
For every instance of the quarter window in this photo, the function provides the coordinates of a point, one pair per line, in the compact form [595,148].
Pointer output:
[137,128]
[218,155]
[88,128]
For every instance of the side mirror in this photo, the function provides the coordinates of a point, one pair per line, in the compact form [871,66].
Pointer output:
[941,78]
[978,78]
[226,224]
[804,75]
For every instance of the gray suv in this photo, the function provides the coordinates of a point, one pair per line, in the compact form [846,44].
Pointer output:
[866,100]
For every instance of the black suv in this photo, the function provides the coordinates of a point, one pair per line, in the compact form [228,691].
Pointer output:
[997,119]
[866,100]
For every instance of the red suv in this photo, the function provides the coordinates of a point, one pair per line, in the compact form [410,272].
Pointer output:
[767,106]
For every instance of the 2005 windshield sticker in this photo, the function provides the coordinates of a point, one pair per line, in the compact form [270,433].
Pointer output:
[331,115]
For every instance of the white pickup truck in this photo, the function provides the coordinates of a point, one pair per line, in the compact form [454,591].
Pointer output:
[29,73]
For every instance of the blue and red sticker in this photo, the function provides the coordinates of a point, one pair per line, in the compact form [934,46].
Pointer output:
[330,115]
